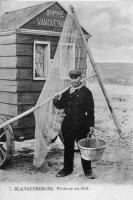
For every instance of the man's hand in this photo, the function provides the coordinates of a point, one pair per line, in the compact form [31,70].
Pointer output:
[92,130]
[57,97]
[91,133]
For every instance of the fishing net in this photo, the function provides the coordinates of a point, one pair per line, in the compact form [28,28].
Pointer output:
[70,54]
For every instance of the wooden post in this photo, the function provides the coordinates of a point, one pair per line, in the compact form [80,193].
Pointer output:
[77,24]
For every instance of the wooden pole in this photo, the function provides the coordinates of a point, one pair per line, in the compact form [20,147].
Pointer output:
[35,107]
[17,117]
[77,24]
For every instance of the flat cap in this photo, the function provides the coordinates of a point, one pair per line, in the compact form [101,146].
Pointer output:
[74,74]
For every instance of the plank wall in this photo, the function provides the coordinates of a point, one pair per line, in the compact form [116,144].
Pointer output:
[18,91]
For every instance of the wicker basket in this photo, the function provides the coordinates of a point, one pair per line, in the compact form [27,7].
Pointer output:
[91,149]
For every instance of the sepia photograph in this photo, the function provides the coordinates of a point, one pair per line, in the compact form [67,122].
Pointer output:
[66,99]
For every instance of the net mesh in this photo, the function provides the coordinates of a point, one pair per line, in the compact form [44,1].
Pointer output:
[70,54]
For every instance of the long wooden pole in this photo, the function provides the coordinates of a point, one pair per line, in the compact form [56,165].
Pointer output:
[35,107]
[26,112]
[77,24]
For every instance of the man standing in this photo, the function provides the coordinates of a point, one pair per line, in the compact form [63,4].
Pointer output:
[78,105]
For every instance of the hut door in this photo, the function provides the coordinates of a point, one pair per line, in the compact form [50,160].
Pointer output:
[41,60]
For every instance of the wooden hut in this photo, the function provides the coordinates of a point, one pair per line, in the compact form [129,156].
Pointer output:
[28,39]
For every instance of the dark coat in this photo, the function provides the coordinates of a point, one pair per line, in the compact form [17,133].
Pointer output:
[79,106]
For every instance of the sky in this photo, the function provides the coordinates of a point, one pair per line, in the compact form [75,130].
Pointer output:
[109,22]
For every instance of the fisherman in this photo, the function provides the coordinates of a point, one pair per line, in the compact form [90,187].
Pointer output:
[78,105]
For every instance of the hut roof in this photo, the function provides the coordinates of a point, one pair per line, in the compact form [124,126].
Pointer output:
[13,20]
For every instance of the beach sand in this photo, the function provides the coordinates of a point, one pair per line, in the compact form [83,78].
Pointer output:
[116,164]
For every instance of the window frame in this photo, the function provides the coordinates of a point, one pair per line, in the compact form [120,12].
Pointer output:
[34,51]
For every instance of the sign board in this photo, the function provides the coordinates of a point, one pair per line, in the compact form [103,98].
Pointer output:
[52,19]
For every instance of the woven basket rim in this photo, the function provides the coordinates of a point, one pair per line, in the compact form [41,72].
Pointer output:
[91,148]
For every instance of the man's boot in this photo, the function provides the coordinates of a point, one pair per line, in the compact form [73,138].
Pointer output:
[86,164]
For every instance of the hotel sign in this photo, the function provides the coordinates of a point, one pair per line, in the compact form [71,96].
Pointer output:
[51,19]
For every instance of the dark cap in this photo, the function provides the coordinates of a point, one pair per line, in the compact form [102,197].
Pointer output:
[74,74]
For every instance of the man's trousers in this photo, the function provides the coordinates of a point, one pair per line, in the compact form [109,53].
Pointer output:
[73,132]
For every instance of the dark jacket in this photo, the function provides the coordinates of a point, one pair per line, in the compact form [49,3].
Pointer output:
[79,105]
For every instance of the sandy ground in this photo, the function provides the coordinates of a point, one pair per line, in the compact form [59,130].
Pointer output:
[115,166]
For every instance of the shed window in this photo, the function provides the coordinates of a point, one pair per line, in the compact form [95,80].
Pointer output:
[41,60]
[67,54]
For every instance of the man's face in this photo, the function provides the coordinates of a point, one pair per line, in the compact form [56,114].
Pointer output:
[76,82]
